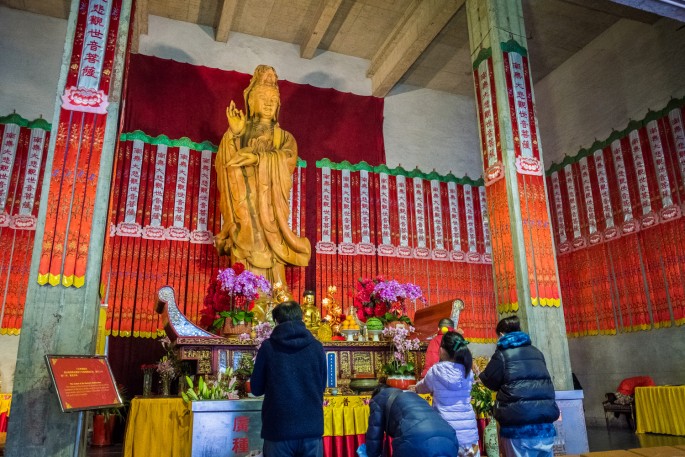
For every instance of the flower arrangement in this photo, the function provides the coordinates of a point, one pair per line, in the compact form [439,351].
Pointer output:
[399,365]
[231,295]
[385,299]
[261,331]
[168,367]
[224,388]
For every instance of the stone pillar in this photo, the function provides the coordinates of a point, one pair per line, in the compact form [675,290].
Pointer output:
[523,257]
[62,300]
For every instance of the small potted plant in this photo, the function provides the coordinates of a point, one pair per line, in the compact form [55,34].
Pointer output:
[244,371]
[260,333]
[399,370]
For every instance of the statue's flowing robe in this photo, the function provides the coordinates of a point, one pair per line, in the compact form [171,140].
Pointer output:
[255,205]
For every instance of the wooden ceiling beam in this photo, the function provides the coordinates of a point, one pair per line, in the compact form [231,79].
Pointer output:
[419,25]
[317,29]
[225,20]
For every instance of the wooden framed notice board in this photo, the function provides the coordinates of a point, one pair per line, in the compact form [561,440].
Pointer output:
[83,382]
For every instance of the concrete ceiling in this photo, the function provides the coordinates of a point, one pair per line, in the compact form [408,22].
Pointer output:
[419,42]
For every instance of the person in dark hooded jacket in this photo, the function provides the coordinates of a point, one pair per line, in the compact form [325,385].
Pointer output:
[525,408]
[416,429]
[290,371]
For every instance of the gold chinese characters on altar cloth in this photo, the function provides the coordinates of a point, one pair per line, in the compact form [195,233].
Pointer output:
[254,167]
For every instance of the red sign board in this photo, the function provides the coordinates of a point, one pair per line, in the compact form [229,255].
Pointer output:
[83,382]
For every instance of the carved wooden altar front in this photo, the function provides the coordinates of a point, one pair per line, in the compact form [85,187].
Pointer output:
[212,354]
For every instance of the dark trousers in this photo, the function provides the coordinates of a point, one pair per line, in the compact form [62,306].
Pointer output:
[306,447]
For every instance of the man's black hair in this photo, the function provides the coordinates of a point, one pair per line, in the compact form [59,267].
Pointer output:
[287,311]
[508,325]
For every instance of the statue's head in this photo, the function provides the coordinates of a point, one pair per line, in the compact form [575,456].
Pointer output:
[262,95]
[308,298]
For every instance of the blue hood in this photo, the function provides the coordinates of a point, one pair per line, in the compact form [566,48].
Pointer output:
[513,340]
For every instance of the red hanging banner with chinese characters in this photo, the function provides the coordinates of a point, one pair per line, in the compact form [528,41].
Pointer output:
[617,217]
[22,163]
[541,268]
[78,146]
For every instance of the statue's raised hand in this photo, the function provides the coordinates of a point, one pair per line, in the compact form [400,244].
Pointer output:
[236,119]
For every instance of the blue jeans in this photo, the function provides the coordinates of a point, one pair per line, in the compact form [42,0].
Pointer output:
[305,447]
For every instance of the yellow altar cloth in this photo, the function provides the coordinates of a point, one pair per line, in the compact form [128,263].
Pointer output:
[346,415]
[5,402]
[659,409]
[158,427]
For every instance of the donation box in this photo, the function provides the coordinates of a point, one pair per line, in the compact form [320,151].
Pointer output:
[226,428]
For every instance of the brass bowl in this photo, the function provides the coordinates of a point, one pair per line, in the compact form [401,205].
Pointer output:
[360,385]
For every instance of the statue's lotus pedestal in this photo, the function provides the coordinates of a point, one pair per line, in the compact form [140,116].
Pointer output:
[221,425]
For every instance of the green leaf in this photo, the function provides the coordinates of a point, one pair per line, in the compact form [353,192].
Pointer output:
[218,323]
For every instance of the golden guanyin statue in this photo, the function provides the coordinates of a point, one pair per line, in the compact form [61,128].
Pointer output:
[310,312]
[254,167]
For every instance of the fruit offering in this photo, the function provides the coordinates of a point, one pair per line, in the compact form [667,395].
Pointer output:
[374,323]
[349,323]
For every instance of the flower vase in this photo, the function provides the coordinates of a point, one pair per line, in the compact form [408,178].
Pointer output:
[491,439]
[401,381]
[165,386]
[481,423]
[147,382]
[103,428]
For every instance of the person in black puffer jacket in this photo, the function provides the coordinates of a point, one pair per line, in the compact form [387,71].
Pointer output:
[416,429]
[290,371]
[525,408]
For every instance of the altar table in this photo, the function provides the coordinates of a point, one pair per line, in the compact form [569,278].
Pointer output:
[158,427]
[659,409]
[161,427]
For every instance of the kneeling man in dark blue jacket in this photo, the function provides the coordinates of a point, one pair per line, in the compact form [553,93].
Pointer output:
[416,429]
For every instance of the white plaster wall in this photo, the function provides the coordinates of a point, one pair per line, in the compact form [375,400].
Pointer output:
[191,43]
[433,131]
[31,48]
[9,345]
[628,70]
[602,362]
